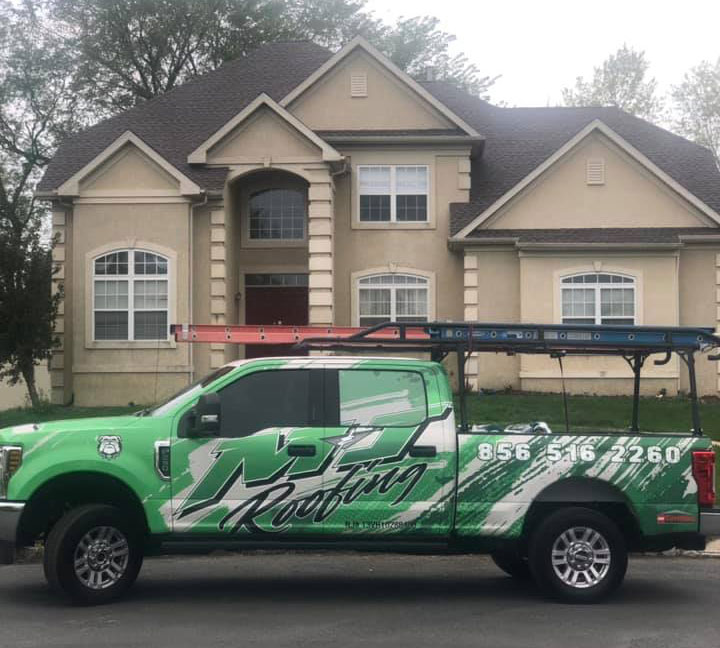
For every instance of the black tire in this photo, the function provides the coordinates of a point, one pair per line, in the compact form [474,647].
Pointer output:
[512,563]
[64,541]
[7,553]
[592,583]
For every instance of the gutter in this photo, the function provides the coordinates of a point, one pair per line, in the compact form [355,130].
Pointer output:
[699,238]
[409,139]
[475,142]
[458,243]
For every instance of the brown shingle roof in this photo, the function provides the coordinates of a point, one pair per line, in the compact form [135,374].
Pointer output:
[176,123]
[517,140]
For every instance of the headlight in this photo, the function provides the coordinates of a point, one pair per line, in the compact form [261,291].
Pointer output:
[10,460]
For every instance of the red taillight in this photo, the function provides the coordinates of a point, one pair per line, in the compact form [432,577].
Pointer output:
[703,467]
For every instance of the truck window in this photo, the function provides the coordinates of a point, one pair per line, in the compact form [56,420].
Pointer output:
[276,398]
[382,397]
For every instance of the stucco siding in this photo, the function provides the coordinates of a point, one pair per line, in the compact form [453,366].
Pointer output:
[128,171]
[389,103]
[263,136]
[656,303]
[100,367]
[699,299]
[17,395]
[630,196]
[393,248]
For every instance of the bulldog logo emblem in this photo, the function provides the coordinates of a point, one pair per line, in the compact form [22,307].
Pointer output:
[109,447]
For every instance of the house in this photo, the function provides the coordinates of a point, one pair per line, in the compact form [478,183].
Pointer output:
[303,186]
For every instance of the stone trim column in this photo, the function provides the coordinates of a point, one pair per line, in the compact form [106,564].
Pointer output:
[218,282]
[471,313]
[60,387]
[320,249]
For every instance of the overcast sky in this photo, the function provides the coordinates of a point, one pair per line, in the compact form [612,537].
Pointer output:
[540,47]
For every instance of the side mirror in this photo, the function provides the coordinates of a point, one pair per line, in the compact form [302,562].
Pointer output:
[206,416]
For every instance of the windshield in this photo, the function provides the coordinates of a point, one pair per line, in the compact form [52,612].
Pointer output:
[186,393]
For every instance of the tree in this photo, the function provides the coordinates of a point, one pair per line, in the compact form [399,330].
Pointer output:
[37,108]
[697,104]
[620,81]
[418,46]
[132,50]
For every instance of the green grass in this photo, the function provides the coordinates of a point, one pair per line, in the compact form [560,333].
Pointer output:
[22,415]
[600,412]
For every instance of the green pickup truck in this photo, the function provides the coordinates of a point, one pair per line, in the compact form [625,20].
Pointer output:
[345,452]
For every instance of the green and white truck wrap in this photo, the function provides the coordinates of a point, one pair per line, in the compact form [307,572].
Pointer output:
[344,452]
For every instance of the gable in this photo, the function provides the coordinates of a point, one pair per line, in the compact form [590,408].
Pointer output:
[389,104]
[571,194]
[128,171]
[264,134]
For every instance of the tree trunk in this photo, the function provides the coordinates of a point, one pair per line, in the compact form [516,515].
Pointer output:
[28,374]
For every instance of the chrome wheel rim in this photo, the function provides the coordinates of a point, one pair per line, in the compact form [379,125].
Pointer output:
[101,557]
[581,557]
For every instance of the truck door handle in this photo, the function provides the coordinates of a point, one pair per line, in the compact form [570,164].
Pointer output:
[423,451]
[296,450]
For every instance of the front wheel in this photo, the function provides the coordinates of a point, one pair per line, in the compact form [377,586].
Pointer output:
[578,555]
[93,554]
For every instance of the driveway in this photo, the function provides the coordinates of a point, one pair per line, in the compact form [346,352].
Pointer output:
[345,600]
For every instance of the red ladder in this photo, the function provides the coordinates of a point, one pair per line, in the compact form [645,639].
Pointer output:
[280,334]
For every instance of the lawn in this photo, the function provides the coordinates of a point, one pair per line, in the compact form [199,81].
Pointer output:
[22,415]
[600,412]
[587,412]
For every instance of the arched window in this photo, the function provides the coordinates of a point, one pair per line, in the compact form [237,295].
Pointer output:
[392,297]
[130,296]
[598,298]
[278,214]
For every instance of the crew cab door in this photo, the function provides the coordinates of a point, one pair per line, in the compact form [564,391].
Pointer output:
[246,478]
[393,468]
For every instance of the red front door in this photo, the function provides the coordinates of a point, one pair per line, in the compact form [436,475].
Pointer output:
[275,304]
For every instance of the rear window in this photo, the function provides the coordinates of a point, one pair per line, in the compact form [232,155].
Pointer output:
[382,398]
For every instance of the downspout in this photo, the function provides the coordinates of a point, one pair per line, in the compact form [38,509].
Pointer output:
[191,264]
[342,170]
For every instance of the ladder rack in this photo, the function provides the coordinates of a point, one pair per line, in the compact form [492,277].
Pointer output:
[633,343]
[474,337]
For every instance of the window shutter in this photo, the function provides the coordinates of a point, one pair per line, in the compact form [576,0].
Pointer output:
[358,85]
[595,171]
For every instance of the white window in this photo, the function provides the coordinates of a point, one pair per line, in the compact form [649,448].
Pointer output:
[278,214]
[392,297]
[130,296]
[393,193]
[598,298]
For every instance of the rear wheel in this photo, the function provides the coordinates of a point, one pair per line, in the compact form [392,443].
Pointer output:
[93,554]
[578,555]
[512,563]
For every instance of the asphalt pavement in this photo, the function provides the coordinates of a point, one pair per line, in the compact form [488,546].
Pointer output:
[363,599]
